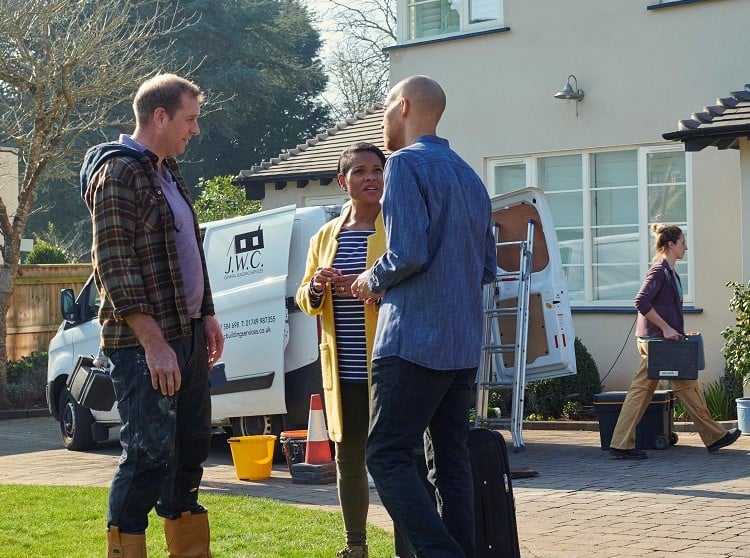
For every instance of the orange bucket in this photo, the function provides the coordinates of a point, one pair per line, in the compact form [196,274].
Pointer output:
[293,446]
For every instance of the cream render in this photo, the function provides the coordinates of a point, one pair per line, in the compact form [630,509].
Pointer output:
[641,70]
[9,181]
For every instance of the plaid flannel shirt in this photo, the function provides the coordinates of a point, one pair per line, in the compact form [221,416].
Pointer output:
[136,266]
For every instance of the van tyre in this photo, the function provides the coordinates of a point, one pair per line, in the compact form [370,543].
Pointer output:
[75,424]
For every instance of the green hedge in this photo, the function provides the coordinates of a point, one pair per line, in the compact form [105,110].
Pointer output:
[554,398]
[27,381]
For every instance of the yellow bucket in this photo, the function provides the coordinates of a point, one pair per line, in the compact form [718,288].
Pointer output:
[252,456]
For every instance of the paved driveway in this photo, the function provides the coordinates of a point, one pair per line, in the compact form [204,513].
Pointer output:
[680,502]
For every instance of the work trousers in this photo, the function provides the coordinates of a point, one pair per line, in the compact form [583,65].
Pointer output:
[164,439]
[639,397]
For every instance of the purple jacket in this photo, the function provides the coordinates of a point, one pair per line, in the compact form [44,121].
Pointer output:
[660,292]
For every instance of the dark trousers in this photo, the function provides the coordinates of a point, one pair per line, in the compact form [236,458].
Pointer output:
[354,492]
[408,401]
[164,439]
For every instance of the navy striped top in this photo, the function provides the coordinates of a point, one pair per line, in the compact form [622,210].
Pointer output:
[349,313]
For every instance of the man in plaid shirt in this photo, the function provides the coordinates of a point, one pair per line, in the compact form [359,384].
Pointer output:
[157,316]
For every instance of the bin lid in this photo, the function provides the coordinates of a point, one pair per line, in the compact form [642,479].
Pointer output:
[294,434]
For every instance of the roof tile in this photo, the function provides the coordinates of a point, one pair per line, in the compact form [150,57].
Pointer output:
[318,157]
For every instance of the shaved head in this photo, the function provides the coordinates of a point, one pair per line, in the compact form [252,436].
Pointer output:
[413,108]
[424,93]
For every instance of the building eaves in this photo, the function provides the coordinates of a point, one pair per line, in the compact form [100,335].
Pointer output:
[317,158]
[721,125]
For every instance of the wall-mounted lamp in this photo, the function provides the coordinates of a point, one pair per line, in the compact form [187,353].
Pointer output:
[571,92]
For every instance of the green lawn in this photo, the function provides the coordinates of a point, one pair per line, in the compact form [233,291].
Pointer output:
[69,522]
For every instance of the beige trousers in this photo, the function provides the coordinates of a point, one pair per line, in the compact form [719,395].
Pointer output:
[639,397]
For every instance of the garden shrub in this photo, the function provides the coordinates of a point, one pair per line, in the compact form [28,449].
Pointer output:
[548,398]
[737,337]
[45,253]
[27,380]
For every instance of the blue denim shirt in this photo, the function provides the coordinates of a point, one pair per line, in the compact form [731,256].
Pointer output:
[440,251]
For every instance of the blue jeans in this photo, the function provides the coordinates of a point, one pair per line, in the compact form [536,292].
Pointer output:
[409,401]
[164,439]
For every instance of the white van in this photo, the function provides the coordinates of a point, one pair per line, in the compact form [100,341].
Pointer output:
[271,354]
[271,360]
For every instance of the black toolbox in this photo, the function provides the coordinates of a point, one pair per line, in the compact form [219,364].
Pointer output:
[90,386]
[654,431]
[676,359]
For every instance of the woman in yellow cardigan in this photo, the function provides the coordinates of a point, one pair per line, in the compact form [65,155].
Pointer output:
[341,250]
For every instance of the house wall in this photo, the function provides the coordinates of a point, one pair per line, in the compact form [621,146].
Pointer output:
[9,179]
[641,72]
[312,194]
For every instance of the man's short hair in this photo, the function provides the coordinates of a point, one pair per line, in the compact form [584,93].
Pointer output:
[165,91]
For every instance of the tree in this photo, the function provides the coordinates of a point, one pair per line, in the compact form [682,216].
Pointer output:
[221,199]
[64,65]
[258,62]
[260,59]
[358,67]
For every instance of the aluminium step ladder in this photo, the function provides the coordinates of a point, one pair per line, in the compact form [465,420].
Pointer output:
[492,346]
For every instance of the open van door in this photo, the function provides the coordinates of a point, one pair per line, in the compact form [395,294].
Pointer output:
[528,328]
[550,350]
[247,259]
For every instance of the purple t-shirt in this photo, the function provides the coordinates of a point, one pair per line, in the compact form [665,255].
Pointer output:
[187,245]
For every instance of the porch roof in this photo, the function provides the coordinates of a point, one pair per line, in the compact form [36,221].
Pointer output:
[317,158]
[720,125]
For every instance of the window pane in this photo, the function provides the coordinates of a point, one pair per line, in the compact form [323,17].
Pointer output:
[681,266]
[481,10]
[570,243]
[667,204]
[614,207]
[509,178]
[566,208]
[614,168]
[616,282]
[616,245]
[432,17]
[666,167]
[574,276]
[560,173]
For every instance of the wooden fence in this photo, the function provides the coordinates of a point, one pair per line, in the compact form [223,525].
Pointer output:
[34,313]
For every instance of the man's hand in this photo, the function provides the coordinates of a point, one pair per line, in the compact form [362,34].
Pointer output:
[164,368]
[361,290]
[160,357]
[214,339]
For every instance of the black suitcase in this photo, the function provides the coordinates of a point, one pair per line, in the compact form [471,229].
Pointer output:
[494,507]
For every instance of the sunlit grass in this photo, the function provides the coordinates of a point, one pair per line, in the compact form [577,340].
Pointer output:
[69,522]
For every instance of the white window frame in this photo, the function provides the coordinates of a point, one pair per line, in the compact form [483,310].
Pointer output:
[403,23]
[645,238]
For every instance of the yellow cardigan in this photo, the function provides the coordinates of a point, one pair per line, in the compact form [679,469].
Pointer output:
[323,247]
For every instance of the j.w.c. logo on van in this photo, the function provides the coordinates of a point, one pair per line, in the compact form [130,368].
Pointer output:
[244,255]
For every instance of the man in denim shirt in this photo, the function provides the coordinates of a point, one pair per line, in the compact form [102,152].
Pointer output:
[440,251]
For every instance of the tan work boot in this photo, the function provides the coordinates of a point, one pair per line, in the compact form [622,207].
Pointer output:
[353,552]
[125,545]
[188,536]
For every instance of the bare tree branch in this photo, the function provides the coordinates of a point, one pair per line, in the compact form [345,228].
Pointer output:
[357,67]
[64,65]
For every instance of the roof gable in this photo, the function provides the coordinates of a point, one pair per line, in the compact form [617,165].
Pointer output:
[720,125]
[317,158]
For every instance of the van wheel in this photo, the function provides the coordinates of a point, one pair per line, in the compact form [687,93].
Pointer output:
[75,424]
[259,424]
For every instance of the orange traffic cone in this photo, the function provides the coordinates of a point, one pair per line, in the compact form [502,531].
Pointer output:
[318,447]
